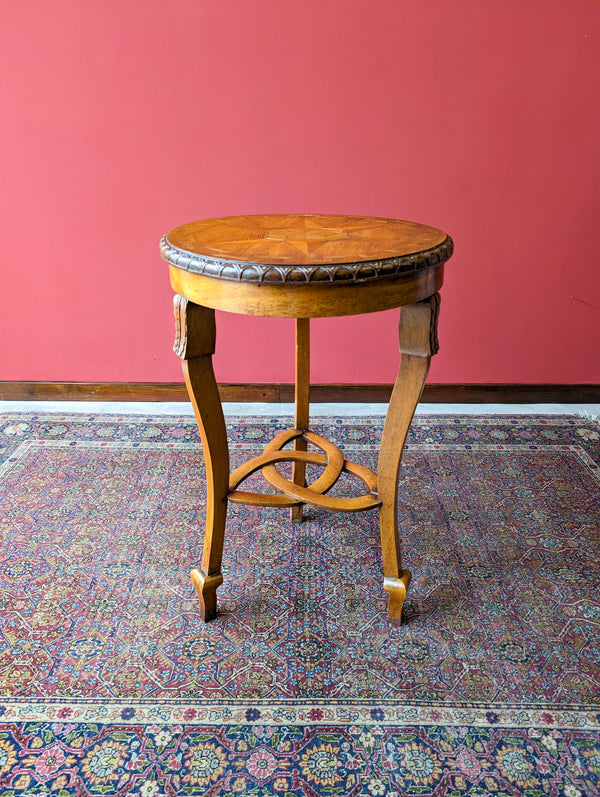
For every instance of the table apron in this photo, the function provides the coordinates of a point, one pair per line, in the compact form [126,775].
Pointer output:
[311,300]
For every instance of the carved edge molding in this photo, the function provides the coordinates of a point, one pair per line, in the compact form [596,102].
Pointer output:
[340,272]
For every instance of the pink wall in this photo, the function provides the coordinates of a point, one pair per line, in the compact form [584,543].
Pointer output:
[124,119]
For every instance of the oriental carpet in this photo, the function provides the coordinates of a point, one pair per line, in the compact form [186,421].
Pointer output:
[111,684]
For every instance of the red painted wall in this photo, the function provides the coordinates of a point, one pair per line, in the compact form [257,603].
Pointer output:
[124,119]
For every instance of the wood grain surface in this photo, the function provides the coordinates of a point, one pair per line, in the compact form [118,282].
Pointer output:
[304,239]
[306,300]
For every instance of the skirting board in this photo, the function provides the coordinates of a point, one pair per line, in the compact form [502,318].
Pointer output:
[276,392]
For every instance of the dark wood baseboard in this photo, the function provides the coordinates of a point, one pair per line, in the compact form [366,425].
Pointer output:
[277,392]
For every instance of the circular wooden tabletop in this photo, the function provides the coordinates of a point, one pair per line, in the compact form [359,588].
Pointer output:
[301,248]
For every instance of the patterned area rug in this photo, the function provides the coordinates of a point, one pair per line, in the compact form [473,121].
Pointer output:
[111,684]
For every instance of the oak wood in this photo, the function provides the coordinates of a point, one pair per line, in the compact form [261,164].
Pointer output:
[313,494]
[262,499]
[195,329]
[268,458]
[476,393]
[304,239]
[332,456]
[303,267]
[195,344]
[318,300]
[418,342]
[360,503]
[301,401]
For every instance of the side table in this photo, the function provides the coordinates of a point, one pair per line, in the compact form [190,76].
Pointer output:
[304,266]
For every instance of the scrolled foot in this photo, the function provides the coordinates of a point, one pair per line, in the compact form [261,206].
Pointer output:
[206,590]
[397,589]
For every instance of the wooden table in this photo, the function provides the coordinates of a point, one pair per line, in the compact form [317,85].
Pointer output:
[303,267]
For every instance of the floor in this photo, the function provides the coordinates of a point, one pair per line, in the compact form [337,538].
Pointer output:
[184,408]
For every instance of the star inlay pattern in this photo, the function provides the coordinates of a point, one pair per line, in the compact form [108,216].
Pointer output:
[308,240]
[300,239]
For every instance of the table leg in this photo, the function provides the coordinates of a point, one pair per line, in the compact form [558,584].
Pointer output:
[302,390]
[195,344]
[418,342]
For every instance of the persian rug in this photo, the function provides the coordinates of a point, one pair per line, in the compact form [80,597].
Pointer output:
[111,684]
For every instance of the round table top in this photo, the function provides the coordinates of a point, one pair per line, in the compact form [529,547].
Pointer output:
[301,248]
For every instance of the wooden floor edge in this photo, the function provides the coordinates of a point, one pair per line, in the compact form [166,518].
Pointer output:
[284,392]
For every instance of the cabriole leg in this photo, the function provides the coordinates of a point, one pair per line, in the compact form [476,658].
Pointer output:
[195,344]
[418,342]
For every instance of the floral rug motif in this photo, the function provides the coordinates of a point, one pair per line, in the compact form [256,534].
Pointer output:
[111,684]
